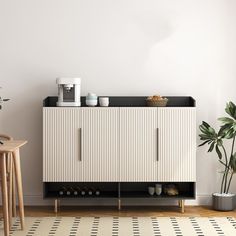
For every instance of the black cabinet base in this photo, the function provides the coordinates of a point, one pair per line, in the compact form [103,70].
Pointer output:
[117,190]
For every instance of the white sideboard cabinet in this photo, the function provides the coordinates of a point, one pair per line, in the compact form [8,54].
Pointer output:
[120,150]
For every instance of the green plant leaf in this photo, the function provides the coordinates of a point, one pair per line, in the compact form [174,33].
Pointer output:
[205,137]
[218,152]
[211,130]
[205,124]
[224,129]
[230,133]
[233,162]
[211,147]
[234,126]
[219,142]
[231,109]
[203,143]
[226,120]
[204,128]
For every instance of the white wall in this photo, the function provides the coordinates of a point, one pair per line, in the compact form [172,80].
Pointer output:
[125,47]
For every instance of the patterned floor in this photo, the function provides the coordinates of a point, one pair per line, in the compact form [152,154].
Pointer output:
[125,226]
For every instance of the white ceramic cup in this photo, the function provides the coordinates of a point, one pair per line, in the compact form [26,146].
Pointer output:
[158,189]
[151,190]
[104,101]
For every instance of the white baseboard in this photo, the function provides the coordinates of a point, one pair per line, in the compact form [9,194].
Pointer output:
[37,200]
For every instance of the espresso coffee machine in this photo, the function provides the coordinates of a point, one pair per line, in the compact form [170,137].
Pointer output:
[68,92]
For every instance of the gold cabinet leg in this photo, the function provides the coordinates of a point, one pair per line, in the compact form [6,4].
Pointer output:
[119,204]
[179,203]
[182,206]
[56,206]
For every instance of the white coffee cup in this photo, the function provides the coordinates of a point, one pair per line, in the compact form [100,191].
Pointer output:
[151,190]
[104,101]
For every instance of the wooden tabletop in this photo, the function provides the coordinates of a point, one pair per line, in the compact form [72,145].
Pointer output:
[10,146]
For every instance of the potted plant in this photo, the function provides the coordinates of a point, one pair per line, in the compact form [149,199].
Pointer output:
[224,200]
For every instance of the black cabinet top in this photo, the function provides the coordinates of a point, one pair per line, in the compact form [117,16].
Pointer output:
[131,101]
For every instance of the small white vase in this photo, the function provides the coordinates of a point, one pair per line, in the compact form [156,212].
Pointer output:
[158,189]
[151,190]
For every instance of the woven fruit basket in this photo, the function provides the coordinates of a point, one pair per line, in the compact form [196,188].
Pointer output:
[157,103]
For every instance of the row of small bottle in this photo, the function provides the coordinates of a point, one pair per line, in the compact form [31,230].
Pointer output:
[77,191]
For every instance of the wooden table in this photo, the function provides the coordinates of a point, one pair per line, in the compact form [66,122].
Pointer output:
[6,148]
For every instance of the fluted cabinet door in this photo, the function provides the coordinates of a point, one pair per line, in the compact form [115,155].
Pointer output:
[138,144]
[177,144]
[100,140]
[61,144]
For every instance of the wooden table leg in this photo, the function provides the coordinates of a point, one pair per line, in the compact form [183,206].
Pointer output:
[4,194]
[13,191]
[10,173]
[16,159]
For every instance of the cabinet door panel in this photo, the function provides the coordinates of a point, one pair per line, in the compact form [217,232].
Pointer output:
[100,151]
[61,144]
[177,144]
[138,144]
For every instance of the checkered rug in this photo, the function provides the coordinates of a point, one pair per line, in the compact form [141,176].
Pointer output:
[125,226]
